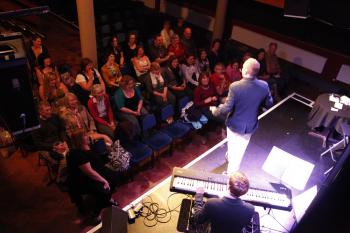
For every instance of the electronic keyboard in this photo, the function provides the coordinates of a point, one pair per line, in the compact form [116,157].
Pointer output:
[216,185]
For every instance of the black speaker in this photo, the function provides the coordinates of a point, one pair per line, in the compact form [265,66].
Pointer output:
[114,220]
[12,46]
[17,106]
[296,8]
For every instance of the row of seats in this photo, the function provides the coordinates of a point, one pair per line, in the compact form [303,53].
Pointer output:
[156,141]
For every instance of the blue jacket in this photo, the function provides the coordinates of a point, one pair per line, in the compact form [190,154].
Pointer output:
[242,104]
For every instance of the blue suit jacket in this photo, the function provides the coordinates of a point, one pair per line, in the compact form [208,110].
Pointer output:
[242,104]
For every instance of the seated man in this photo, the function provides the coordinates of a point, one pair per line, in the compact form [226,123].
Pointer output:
[158,52]
[226,214]
[51,132]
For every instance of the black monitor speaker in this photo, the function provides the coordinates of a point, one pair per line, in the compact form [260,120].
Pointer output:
[296,8]
[17,105]
[114,220]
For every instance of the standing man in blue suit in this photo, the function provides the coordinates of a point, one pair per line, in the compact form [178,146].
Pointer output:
[241,108]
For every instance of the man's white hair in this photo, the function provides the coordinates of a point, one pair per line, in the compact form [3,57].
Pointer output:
[250,68]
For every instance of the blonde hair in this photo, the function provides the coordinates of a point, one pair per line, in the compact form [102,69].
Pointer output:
[238,184]
[46,83]
[67,96]
[96,88]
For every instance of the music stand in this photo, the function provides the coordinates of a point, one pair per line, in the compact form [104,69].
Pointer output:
[288,168]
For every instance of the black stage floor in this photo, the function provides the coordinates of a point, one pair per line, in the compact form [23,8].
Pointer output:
[284,126]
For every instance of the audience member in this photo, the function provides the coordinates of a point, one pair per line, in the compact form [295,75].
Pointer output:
[158,52]
[88,76]
[130,49]
[221,81]
[232,70]
[180,26]
[177,48]
[166,33]
[101,111]
[129,103]
[111,73]
[117,50]
[88,174]
[203,61]
[261,59]
[246,56]
[188,42]
[215,55]
[205,95]
[50,132]
[190,71]
[76,117]
[175,79]
[52,90]
[69,81]
[35,50]
[157,88]
[276,80]
[141,64]
[45,66]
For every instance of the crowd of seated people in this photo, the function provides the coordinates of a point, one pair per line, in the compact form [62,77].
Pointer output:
[107,104]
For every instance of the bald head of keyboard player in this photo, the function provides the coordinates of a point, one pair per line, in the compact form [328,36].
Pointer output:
[228,213]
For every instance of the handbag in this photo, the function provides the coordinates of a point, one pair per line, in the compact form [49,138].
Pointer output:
[191,113]
[118,158]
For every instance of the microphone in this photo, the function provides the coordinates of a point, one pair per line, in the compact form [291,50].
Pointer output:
[24,121]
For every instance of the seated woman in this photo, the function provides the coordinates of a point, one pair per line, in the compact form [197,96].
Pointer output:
[88,174]
[166,33]
[174,78]
[205,95]
[52,90]
[76,117]
[156,87]
[45,66]
[129,53]
[101,110]
[177,48]
[88,76]
[117,50]
[129,103]
[221,81]
[190,71]
[232,70]
[141,64]
[111,73]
